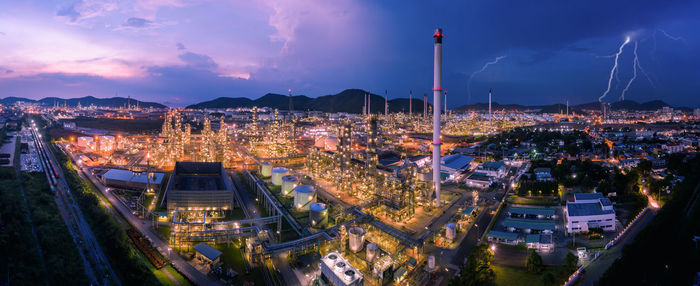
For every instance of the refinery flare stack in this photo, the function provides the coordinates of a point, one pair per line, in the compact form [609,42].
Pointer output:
[437,82]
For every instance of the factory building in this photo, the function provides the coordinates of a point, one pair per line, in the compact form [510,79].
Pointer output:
[589,210]
[496,169]
[199,186]
[125,179]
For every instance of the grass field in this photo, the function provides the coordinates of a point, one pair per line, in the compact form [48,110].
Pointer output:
[232,257]
[535,201]
[518,276]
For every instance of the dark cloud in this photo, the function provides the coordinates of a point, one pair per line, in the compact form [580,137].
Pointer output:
[70,12]
[198,60]
[179,46]
[135,22]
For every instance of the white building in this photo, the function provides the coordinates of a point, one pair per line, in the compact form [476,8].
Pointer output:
[338,272]
[589,210]
[672,148]
[107,143]
[496,169]
[453,164]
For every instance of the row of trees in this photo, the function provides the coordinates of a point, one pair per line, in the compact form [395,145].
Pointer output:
[112,237]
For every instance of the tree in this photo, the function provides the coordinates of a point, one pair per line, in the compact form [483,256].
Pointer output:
[570,263]
[534,262]
[477,271]
[548,279]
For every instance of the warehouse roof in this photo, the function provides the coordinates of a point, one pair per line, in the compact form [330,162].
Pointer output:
[532,211]
[537,224]
[586,209]
[503,235]
[456,161]
[207,251]
[129,176]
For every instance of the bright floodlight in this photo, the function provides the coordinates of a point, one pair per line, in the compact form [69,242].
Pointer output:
[493,247]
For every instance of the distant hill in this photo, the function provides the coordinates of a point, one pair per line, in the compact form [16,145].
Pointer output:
[579,108]
[349,100]
[84,101]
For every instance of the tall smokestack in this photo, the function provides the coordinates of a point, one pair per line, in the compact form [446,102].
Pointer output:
[364,105]
[386,104]
[437,88]
[567,108]
[410,103]
[445,103]
[489,109]
[291,106]
[425,105]
[369,103]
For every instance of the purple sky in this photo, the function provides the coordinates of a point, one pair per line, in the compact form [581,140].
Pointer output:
[180,52]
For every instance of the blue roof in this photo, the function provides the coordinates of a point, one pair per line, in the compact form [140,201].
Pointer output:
[208,251]
[493,165]
[532,238]
[129,176]
[537,224]
[503,235]
[469,210]
[588,196]
[586,209]
[456,161]
[532,211]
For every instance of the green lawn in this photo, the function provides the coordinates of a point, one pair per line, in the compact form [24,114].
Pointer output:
[232,257]
[518,276]
[535,201]
[164,231]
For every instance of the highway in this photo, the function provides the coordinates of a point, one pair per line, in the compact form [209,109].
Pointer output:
[97,266]
[177,261]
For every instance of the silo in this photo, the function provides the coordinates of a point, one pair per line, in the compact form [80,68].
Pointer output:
[288,184]
[318,215]
[266,169]
[371,251]
[277,174]
[431,263]
[451,231]
[304,196]
[357,238]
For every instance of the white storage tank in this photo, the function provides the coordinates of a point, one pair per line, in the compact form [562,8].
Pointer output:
[304,196]
[266,169]
[288,184]
[451,231]
[371,251]
[277,174]
[318,215]
[357,238]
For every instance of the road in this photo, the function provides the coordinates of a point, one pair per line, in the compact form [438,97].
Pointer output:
[99,267]
[595,269]
[142,226]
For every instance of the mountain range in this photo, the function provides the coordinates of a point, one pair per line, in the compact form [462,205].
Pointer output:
[349,100]
[84,101]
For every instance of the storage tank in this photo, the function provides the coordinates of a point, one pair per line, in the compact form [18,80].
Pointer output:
[451,231]
[320,142]
[431,263]
[266,169]
[288,184]
[277,174]
[331,143]
[357,238]
[371,251]
[304,196]
[318,215]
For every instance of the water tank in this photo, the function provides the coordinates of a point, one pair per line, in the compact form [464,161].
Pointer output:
[349,275]
[451,231]
[318,215]
[277,174]
[304,196]
[371,251]
[431,263]
[266,169]
[357,238]
[288,184]
[340,266]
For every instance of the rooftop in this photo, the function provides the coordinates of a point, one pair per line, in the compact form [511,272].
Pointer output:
[207,251]
[588,196]
[532,211]
[456,161]
[503,235]
[536,224]
[586,209]
[129,176]
[493,165]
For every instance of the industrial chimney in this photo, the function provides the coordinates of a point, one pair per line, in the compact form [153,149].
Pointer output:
[437,90]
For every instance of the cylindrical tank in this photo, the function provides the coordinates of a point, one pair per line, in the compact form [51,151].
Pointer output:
[331,143]
[288,184]
[304,196]
[431,263]
[371,251]
[277,174]
[318,215]
[349,275]
[266,169]
[451,231]
[320,142]
[357,238]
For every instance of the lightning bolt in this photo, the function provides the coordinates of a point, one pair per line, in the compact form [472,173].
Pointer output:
[634,75]
[669,36]
[612,71]
[469,81]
